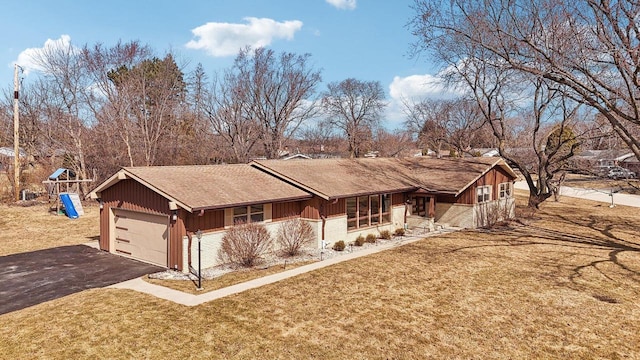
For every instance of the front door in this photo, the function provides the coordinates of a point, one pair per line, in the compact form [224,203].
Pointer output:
[420,205]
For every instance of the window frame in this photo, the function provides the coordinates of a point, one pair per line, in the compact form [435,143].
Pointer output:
[483,194]
[505,190]
[250,211]
[357,218]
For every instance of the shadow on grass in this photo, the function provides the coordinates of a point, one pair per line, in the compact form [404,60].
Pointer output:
[533,235]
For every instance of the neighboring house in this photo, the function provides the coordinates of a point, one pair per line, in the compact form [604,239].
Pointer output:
[601,161]
[152,213]
[629,161]
[297,156]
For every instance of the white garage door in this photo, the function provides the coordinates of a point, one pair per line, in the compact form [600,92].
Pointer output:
[141,236]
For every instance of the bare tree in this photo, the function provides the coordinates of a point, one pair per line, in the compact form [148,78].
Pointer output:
[392,144]
[354,107]
[548,133]
[426,121]
[156,89]
[66,86]
[229,110]
[455,124]
[587,47]
[113,103]
[279,89]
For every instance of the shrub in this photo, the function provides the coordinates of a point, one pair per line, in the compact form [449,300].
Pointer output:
[385,234]
[338,245]
[244,244]
[293,235]
[371,238]
[359,240]
[399,232]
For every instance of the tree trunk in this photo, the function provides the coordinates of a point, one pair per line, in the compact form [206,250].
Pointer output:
[536,199]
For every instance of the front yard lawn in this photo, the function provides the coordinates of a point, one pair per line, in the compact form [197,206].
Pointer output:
[567,286]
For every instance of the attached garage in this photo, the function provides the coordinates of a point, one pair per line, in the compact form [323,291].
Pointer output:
[151,213]
[141,236]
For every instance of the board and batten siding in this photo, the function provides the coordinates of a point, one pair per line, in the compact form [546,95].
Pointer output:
[493,177]
[285,210]
[130,195]
[211,220]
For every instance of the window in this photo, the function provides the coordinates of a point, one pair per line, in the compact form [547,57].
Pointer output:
[505,190]
[484,193]
[364,211]
[244,214]
[352,210]
[374,202]
[386,208]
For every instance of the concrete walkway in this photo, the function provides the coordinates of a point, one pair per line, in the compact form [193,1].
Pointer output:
[601,195]
[182,298]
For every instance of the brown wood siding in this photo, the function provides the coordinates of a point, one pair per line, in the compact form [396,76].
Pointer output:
[310,208]
[336,208]
[131,195]
[285,210]
[398,198]
[493,177]
[211,220]
[449,199]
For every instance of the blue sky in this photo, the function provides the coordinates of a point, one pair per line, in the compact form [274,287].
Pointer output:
[366,40]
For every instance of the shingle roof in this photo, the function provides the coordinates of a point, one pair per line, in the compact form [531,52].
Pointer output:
[211,186]
[333,178]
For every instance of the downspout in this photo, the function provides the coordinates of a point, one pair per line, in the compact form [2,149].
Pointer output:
[323,217]
[189,236]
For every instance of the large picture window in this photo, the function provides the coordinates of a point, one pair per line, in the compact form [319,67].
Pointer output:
[365,211]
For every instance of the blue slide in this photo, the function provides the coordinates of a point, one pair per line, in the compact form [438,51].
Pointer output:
[68,206]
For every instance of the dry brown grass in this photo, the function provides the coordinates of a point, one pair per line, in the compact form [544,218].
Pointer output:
[565,287]
[225,280]
[34,228]
[631,186]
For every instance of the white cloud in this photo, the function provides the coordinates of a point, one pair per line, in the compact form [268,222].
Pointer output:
[225,39]
[343,4]
[27,59]
[414,88]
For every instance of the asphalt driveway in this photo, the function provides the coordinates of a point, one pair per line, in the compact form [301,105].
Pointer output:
[27,279]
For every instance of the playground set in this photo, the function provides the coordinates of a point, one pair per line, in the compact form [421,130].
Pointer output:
[63,187]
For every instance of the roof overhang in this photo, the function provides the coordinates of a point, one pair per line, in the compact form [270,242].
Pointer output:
[123,174]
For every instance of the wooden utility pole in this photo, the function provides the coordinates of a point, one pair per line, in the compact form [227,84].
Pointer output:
[16,134]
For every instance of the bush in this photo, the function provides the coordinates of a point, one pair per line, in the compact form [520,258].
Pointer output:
[293,235]
[359,241]
[371,238]
[385,234]
[244,244]
[399,232]
[339,245]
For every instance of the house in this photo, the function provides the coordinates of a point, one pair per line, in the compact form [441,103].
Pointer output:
[152,213]
[601,161]
[629,161]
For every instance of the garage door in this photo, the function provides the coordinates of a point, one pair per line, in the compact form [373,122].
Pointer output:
[141,236]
